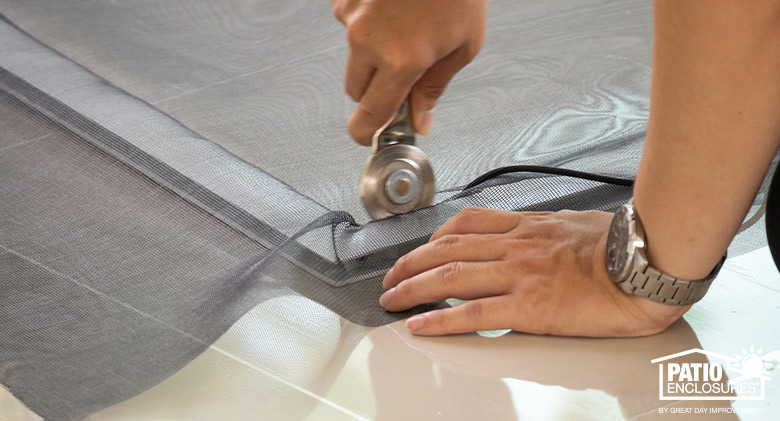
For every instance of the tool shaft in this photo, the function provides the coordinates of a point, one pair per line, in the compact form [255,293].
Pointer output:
[397,177]
[398,130]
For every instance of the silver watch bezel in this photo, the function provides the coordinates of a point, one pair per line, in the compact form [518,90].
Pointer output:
[633,255]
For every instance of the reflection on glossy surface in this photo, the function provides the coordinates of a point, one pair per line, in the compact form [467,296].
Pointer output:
[517,375]
[310,364]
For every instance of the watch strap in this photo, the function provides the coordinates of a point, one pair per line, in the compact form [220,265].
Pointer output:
[662,288]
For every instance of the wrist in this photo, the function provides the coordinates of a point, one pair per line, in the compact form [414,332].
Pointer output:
[671,248]
[630,268]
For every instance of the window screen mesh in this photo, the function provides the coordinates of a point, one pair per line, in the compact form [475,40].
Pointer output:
[166,166]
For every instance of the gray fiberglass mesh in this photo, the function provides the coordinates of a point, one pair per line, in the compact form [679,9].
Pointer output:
[167,166]
[556,81]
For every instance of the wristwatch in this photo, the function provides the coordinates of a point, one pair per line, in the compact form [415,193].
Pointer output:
[628,266]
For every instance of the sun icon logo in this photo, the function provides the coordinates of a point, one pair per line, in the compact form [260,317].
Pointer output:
[750,363]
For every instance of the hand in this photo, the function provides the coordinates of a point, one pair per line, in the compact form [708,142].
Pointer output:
[400,48]
[537,272]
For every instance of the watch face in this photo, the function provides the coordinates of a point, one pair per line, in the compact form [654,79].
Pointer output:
[618,251]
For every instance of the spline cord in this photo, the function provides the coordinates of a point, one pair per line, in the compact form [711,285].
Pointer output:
[627,182]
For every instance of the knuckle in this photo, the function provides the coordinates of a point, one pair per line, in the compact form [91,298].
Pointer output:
[446,244]
[401,266]
[436,320]
[532,226]
[560,253]
[357,36]
[465,218]
[473,311]
[352,88]
[353,93]
[433,91]
[450,273]
[568,212]
[337,7]
[471,210]
[471,49]
[400,64]
[403,291]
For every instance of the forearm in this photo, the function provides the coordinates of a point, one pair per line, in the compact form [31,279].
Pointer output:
[714,127]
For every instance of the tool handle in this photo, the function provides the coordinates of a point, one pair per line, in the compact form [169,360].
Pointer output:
[397,130]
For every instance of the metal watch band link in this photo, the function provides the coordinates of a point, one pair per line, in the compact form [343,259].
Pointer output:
[662,288]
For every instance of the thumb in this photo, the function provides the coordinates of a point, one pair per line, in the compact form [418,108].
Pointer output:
[385,93]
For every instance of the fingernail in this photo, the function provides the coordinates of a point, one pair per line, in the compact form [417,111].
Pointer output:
[388,277]
[426,122]
[387,297]
[415,323]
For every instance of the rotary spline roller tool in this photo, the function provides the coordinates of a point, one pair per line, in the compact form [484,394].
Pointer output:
[397,177]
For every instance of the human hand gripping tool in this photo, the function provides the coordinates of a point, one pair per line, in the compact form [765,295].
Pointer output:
[397,177]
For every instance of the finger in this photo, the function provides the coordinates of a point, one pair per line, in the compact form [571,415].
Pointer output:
[476,221]
[357,76]
[342,9]
[384,95]
[338,9]
[450,248]
[427,91]
[483,314]
[462,280]
[485,221]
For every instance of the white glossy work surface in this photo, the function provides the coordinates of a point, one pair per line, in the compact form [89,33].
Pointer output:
[288,368]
